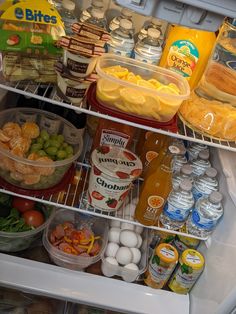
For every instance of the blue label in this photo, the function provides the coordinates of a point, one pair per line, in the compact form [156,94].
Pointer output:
[174,213]
[202,222]
[197,194]
[118,51]
[35,16]
[19,13]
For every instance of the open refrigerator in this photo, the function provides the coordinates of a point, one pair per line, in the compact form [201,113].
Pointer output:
[215,291]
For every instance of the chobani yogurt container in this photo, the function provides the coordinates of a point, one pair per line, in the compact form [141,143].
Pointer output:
[113,171]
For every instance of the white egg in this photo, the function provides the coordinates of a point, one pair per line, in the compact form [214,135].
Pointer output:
[114,235]
[138,229]
[128,238]
[111,260]
[124,256]
[136,255]
[140,241]
[127,226]
[111,249]
[115,223]
[132,266]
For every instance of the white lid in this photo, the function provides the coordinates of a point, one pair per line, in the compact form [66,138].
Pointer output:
[216,197]
[153,32]
[211,172]
[126,24]
[97,3]
[186,185]
[127,12]
[68,5]
[97,13]
[186,169]
[204,154]
[156,21]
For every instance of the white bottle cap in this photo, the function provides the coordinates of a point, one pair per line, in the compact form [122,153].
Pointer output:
[215,197]
[153,32]
[68,5]
[186,185]
[97,13]
[211,172]
[97,3]
[204,154]
[127,12]
[126,24]
[186,169]
[156,21]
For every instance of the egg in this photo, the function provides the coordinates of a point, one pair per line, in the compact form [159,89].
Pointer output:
[111,260]
[127,226]
[132,266]
[136,255]
[115,223]
[124,255]
[114,235]
[138,229]
[140,241]
[111,249]
[128,238]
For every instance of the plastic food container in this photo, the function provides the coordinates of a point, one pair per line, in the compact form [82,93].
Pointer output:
[99,227]
[128,275]
[15,170]
[141,99]
[113,171]
[18,241]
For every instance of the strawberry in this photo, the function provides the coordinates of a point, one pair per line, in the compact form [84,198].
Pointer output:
[122,175]
[98,196]
[123,196]
[136,172]
[112,203]
[96,171]
[103,149]
[129,155]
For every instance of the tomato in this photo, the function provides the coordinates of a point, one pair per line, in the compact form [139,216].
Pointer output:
[33,218]
[22,204]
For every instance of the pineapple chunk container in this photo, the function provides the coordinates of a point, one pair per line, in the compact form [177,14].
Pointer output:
[140,89]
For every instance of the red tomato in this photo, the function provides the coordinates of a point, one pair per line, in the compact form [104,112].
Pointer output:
[33,218]
[22,204]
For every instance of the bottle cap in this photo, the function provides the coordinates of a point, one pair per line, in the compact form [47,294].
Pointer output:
[156,21]
[97,3]
[204,154]
[68,5]
[97,13]
[211,172]
[177,149]
[127,12]
[126,24]
[215,197]
[186,169]
[186,185]
[153,32]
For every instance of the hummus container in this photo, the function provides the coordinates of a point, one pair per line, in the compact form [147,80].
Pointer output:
[77,65]
[113,171]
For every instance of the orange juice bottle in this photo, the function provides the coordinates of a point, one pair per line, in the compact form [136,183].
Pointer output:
[155,190]
[141,141]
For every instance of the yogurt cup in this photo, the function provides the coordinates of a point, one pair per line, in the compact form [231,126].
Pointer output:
[77,65]
[113,171]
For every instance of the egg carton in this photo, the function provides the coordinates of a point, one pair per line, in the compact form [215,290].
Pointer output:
[128,275]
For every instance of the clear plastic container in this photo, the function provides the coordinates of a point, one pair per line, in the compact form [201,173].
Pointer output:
[33,174]
[158,103]
[98,225]
[19,241]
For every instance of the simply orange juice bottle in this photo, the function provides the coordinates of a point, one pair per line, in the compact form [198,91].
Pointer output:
[156,189]
[141,141]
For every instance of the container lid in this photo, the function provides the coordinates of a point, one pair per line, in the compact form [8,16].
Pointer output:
[215,197]
[126,24]
[204,154]
[193,259]
[97,13]
[68,5]
[186,185]
[156,21]
[176,149]
[167,253]
[211,172]
[97,3]
[186,169]
[117,162]
[127,12]
[153,32]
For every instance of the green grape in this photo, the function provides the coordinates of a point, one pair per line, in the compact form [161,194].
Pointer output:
[69,150]
[53,137]
[64,145]
[46,144]
[55,143]
[40,141]
[60,138]
[41,153]
[52,151]
[44,135]
[61,154]
[35,147]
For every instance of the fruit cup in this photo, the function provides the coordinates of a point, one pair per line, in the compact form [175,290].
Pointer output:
[113,171]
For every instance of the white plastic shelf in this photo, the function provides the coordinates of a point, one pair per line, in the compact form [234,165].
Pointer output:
[184,132]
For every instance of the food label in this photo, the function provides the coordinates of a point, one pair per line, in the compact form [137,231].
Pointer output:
[110,137]
[118,51]
[175,213]
[155,202]
[159,274]
[183,57]
[197,194]
[185,277]
[202,222]
[75,66]
[90,31]
[189,243]
[75,92]
[150,155]
[150,59]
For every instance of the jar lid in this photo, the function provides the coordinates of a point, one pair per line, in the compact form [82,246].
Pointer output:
[167,253]
[68,5]
[193,259]
[127,24]
[117,162]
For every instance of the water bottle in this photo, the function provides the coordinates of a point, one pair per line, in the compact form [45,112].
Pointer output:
[185,173]
[201,163]
[124,14]
[86,14]
[153,23]
[205,184]
[122,40]
[178,206]
[149,49]
[205,216]
[194,149]
[67,13]
[97,18]
[179,161]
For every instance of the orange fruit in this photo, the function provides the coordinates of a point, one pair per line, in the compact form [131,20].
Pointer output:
[150,155]
[155,201]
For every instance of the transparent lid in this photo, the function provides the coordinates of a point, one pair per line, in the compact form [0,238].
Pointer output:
[204,154]
[127,12]
[215,197]
[97,13]
[156,21]
[153,32]
[186,169]
[68,5]
[97,3]
[211,172]
[186,185]
[124,23]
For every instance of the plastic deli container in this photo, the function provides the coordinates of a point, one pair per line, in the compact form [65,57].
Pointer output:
[19,241]
[144,90]
[29,173]
[113,171]
[110,270]
[99,226]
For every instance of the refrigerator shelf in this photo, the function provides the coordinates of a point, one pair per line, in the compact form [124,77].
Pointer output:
[31,90]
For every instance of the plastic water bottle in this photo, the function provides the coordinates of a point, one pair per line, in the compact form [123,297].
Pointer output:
[194,149]
[178,206]
[124,14]
[185,173]
[205,184]
[206,215]
[97,18]
[179,161]
[67,13]
[122,40]
[86,14]
[153,23]
[201,163]
[149,49]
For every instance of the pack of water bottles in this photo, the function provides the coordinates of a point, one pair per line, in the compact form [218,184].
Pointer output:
[195,201]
